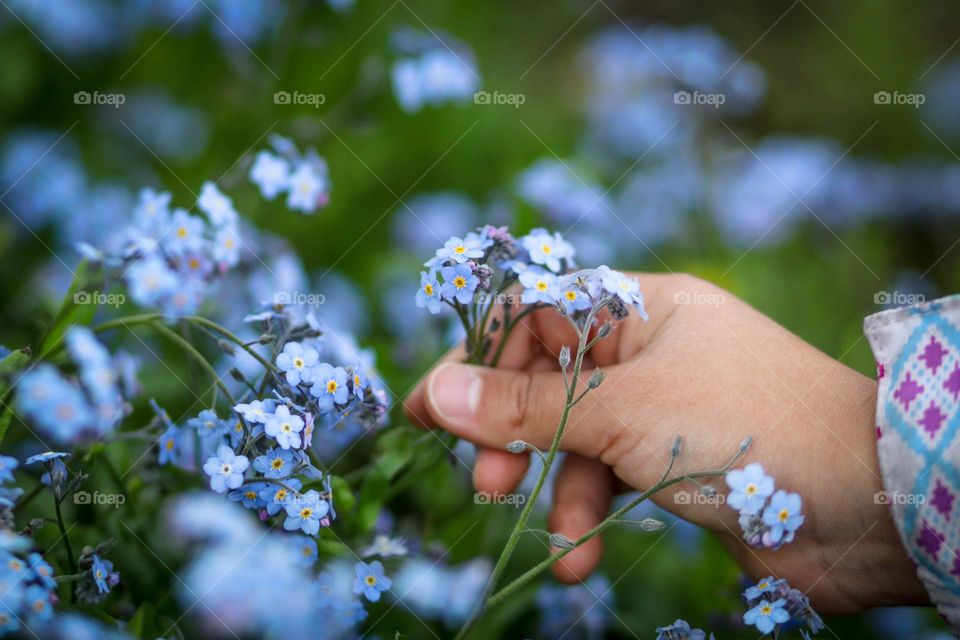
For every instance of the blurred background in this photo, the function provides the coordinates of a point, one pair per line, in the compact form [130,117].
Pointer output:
[803,155]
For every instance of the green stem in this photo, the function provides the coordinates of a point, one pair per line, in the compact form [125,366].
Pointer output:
[508,327]
[521,523]
[66,542]
[232,337]
[184,344]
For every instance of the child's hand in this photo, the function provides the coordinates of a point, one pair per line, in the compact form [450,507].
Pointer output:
[714,370]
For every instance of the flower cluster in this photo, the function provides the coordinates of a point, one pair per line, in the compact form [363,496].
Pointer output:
[681,630]
[171,257]
[773,606]
[241,572]
[431,71]
[304,177]
[69,409]
[437,591]
[768,518]
[473,273]
[582,609]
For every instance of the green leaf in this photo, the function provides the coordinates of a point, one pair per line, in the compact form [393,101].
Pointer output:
[343,497]
[70,312]
[143,624]
[372,495]
[14,361]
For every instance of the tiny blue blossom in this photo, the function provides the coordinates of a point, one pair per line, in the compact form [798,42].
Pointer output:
[329,386]
[680,630]
[766,585]
[7,465]
[277,497]
[370,580]
[459,250]
[216,205]
[285,428]
[428,295]
[306,550]
[275,463]
[249,495]
[296,360]
[538,286]
[170,445]
[750,488]
[150,279]
[185,234]
[459,283]
[36,601]
[225,469]
[270,173]
[783,516]
[767,615]
[45,457]
[101,570]
[256,412]
[41,570]
[308,188]
[208,425]
[304,512]
[547,249]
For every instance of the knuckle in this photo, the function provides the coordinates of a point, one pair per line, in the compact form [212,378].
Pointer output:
[518,399]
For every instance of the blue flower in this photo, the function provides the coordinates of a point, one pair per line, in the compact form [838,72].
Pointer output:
[258,411]
[308,188]
[679,630]
[56,405]
[225,469]
[101,570]
[459,283]
[783,516]
[151,279]
[623,287]
[538,286]
[277,497]
[304,512]
[567,291]
[45,457]
[370,580]
[766,615]
[358,381]
[153,211]
[217,206]
[306,550]
[329,386]
[270,173]
[750,488]
[249,495]
[285,427]
[36,601]
[767,585]
[41,570]
[170,444]
[459,250]
[7,465]
[208,425]
[547,249]
[296,361]
[185,234]
[428,295]
[225,248]
[275,463]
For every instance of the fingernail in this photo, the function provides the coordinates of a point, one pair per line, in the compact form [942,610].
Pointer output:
[455,391]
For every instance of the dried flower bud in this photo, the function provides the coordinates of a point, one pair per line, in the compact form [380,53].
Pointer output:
[677,446]
[266,338]
[596,379]
[746,444]
[237,375]
[484,274]
[618,309]
[652,524]
[561,541]
[564,356]
[708,490]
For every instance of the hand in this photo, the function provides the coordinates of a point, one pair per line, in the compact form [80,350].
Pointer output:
[711,368]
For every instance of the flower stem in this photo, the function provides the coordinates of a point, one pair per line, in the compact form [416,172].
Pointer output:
[66,542]
[521,524]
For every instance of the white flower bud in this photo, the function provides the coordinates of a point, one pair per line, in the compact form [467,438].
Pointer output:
[561,541]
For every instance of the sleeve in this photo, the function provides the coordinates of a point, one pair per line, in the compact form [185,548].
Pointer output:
[917,350]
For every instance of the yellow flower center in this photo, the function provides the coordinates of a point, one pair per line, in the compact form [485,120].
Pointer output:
[459,282]
[766,610]
[371,580]
[570,295]
[306,512]
[170,444]
[286,428]
[546,249]
[251,495]
[541,286]
[277,463]
[750,490]
[298,363]
[356,380]
[194,263]
[332,386]
[428,289]
[783,515]
[280,495]
[228,243]
[460,249]
[763,585]
[182,232]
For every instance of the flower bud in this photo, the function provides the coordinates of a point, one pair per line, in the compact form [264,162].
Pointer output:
[226,347]
[266,338]
[652,524]
[605,330]
[596,379]
[561,541]
[677,446]
[517,446]
[564,356]
[746,444]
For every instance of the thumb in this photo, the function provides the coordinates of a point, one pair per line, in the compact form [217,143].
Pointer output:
[492,407]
